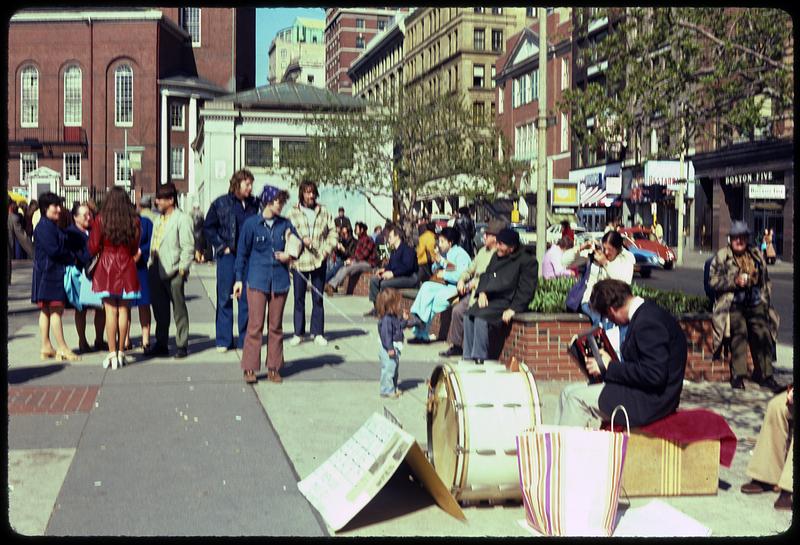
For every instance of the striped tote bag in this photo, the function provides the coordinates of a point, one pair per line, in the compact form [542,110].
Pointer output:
[570,479]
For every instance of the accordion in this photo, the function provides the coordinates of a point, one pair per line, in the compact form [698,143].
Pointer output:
[588,345]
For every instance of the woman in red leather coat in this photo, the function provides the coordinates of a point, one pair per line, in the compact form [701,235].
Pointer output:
[115,236]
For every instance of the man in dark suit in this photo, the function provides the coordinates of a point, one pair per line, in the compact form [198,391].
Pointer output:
[649,378]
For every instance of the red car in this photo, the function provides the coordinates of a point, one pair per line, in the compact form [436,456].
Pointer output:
[646,240]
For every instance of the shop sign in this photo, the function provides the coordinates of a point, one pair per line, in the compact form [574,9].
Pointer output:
[593,180]
[564,210]
[749,178]
[614,185]
[767,191]
[565,193]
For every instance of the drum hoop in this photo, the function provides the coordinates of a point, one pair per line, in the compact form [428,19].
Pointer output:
[462,453]
[537,407]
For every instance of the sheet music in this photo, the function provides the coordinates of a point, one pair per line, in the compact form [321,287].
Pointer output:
[613,337]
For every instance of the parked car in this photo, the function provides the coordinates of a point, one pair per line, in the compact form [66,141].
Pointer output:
[643,238]
[646,260]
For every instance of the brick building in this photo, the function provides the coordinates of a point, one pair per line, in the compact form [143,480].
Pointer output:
[85,86]
[347,33]
[516,95]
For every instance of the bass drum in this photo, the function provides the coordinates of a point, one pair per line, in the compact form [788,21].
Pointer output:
[474,414]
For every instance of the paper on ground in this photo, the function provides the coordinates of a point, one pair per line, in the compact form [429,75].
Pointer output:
[656,519]
[355,473]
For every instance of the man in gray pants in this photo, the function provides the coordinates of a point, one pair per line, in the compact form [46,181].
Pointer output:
[467,283]
[171,255]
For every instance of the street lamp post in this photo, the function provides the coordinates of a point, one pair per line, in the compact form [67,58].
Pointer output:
[541,134]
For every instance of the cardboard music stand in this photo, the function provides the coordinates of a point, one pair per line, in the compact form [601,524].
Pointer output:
[353,475]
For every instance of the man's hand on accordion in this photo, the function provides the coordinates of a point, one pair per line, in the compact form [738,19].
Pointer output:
[591,365]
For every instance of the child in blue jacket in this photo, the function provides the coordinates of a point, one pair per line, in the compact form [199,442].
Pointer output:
[390,327]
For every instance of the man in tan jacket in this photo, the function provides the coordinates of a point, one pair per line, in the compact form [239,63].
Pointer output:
[171,255]
[317,228]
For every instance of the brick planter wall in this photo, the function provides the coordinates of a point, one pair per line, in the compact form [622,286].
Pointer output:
[541,340]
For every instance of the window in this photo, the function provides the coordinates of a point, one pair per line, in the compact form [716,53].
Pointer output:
[28,162]
[176,116]
[257,153]
[360,42]
[497,40]
[477,75]
[478,112]
[494,74]
[479,40]
[310,79]
[515,97]
[30,97]
[190,22]
[564,72]
[500,100]
[72,168]
[292,152]
[122,171]
[283,53]
[381,24]
[359,23]
[497,11]
[530,12]
[123,96]
[72,97]
[479,10]
[176,162]
[564,132]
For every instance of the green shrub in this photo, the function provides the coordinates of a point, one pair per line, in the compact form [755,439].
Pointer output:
[551,297]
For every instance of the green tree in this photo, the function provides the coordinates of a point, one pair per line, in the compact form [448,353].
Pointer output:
[717,73]
[408,147]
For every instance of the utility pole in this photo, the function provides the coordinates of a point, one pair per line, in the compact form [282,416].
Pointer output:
[541,135]
[679,196]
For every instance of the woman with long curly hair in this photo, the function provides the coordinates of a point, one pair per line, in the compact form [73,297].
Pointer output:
[115,236]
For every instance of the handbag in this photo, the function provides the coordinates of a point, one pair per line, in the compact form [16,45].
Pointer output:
[575,295]
[571,478]
[72,286]
[92,265]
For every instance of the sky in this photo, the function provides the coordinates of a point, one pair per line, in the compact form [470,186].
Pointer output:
[268,22]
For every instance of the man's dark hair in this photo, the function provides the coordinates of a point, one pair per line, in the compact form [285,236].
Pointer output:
[361,225]
[609,293]
[464,211]
[47,199]
[305,184]
[396,230]
[451,234]
[238,177]
[168,191]
[341,209]
[614,238]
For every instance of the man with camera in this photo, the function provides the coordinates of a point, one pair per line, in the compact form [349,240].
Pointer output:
[647,380]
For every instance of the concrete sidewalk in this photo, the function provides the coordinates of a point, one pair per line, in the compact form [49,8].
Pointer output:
[186,448]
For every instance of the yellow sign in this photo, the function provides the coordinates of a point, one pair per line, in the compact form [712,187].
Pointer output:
[565,193]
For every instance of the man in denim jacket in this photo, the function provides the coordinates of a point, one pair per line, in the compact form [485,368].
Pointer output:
[222,227]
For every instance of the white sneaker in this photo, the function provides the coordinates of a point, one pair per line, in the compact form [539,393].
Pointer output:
[294,341]
[432,337]
[114,362]
[320,340]
[222,349]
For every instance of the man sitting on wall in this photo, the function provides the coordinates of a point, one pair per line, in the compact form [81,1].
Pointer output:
[400,272]
[365,257]
[649,378]
[504,289]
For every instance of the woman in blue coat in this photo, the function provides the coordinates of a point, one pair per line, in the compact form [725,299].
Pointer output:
[266,247]
[52,254]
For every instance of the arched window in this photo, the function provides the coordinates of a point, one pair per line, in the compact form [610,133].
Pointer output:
[30,97]
[72,96]
[123,96]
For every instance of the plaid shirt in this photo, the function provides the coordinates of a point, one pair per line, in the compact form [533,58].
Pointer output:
[366,250]
[322,233]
